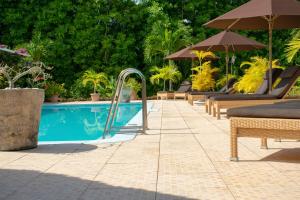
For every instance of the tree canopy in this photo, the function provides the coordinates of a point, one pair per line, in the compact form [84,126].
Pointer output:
[110,35]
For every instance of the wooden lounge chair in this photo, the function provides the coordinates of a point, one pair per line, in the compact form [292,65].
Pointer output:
[279,120]
[165,95]
[198,96]
[287,80]
[183,90]
[263,89]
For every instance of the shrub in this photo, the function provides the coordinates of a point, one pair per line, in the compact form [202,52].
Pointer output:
[133,84]
[254,75]
[79,91]
[222,81]
[52,88]
[204,79]
[109,89]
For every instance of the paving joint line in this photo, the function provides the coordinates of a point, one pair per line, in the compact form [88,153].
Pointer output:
[93,179]
[158,159]
[240,143]
[210,158]
[42,172]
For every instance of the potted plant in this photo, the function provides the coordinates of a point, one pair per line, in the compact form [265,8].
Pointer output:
[167,73]
[53,91]
[20,108]
[134,87]
[90,76]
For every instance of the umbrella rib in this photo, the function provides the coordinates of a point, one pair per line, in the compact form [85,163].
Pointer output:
[231,25]
[209,48]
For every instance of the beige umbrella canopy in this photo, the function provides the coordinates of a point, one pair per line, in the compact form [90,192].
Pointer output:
[229,42]
[261,14]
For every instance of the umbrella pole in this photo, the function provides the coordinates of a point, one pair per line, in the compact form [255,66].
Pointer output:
[192,73]
[270,21]
[227,66]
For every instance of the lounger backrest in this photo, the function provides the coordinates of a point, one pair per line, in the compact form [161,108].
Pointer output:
[288,78]
[263,89]
[185,86]
[230,84]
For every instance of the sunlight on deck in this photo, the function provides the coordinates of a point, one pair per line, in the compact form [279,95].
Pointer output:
[185,155]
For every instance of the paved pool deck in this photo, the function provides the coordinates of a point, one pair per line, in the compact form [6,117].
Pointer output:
[183,156]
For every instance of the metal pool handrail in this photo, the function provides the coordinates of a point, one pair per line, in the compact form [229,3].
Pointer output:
[116,100]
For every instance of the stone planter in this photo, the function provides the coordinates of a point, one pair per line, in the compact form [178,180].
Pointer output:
[20,111]
[95,97]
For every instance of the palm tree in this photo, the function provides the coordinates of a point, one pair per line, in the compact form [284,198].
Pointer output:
[293,47]
[163,40]
[90,76]
[167,73]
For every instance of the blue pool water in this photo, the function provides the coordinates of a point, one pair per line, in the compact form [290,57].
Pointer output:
[80,122]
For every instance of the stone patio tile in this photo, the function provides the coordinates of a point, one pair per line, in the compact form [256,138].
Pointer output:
[153,131]
[38,162]
[293,175]
[192,164]
[184,156]
[117,194]
[273,192]
[190,188]
[136,153]
[175,131]
[51,187]
[257,178]
[14,180]
[7,157]
[138,176]
[146,138]
[285,165]
[173,124]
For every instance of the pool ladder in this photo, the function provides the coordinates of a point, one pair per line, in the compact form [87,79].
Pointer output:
[116,101]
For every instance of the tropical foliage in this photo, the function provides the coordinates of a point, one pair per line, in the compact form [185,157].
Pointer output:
[133,84]
[90,76]
[108,36]
[204,79]
[293,46]
[167,73]
[254,75]
[107,91]
[202,55]
[222,81]
[52,89]
[165,36]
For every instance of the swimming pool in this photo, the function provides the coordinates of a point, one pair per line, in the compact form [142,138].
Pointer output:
[71,123]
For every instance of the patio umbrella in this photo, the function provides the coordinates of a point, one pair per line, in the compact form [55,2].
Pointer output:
[187,54]
[183,54]
[261,14]
[229,42]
